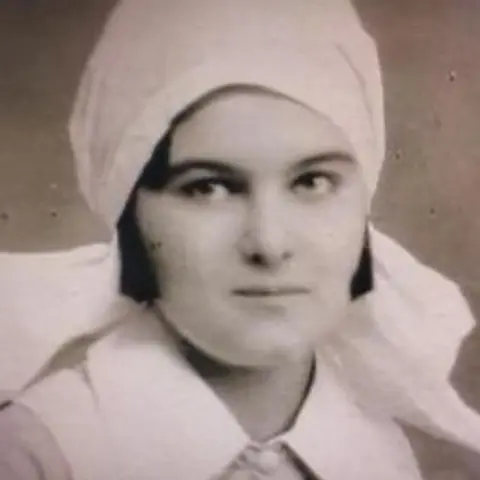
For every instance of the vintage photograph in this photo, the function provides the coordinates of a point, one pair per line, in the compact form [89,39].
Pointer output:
[239,240]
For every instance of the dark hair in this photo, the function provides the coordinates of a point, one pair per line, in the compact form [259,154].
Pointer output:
[137,276]
[138,279]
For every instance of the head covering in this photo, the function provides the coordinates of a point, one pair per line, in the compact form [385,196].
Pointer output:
[156,57]
[47,299]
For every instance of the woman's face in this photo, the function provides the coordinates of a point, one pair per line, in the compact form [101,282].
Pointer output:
[258,232]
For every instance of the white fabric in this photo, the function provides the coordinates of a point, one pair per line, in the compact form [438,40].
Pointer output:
[157,57]
[395,355]
[46,299]
[157,418]
[401,342]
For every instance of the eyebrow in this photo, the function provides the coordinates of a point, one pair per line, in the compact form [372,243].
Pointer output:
[224,168]
[215,166]
[324,157]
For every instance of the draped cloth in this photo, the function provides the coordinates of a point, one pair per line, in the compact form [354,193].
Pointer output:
[48,299]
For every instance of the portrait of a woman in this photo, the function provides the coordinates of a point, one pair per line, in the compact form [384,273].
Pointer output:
[264,328]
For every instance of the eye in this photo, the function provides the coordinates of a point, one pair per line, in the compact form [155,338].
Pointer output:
[211,189]
[314,184]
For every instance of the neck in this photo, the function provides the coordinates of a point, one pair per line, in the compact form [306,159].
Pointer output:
[264,401]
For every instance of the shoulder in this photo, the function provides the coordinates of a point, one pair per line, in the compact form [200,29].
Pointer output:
[27,449]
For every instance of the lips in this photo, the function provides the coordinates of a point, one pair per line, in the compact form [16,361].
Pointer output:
[262,291]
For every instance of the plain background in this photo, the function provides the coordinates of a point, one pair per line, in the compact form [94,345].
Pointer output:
[429,194]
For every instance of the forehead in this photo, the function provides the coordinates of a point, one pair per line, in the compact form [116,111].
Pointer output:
[249,125]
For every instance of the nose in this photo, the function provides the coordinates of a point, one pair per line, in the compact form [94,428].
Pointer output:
[265,241]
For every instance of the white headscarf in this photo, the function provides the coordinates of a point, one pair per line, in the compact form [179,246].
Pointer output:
[48,299]
[156,57]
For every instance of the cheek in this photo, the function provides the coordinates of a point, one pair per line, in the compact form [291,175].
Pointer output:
[335,236]
[186,247]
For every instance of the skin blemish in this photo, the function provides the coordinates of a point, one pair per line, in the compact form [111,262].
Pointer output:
[155,245]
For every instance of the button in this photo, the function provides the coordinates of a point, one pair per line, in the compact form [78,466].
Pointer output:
[269,461]
[265,460]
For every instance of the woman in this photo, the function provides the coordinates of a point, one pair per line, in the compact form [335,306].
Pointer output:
[276,333]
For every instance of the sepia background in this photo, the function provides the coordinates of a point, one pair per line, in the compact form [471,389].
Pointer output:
[429,195]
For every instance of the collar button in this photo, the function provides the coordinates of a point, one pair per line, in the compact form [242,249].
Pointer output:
[265,460]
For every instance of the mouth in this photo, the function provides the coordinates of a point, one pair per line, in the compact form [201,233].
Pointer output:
[262,291]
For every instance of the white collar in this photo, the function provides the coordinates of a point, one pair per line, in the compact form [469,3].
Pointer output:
[165,419]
